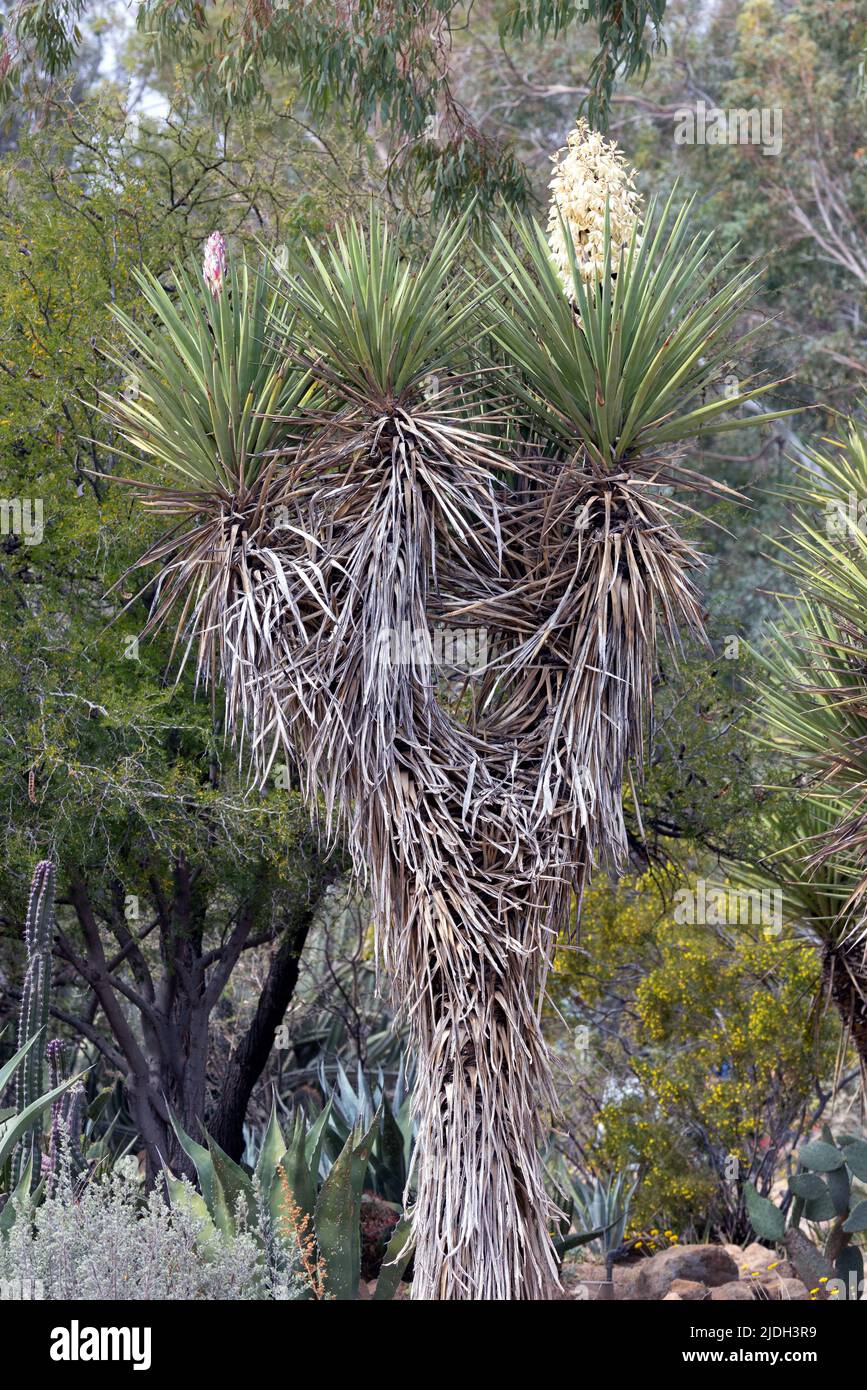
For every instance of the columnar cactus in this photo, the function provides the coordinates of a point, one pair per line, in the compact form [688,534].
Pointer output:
[35,1001]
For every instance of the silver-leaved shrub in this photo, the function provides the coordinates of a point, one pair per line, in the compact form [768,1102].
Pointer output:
[110,1241]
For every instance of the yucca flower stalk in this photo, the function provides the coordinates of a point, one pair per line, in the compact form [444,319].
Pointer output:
[214,263]
[592,189]
[412,500]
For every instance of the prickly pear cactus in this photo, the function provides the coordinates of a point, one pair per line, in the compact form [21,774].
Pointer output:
[822,1190]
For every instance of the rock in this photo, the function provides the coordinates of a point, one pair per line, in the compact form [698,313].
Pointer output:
[624,1276]
[735,1292]
[700,1264]
[790,1291]
[672,1298]
[577,1270]
[756,1259]
[689,1290]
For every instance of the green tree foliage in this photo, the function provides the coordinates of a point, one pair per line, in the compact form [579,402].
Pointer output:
[383,67]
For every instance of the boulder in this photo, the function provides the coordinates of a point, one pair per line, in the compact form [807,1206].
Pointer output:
[624,1276]
[757,1259]
[689,1290]
[735,1292]
[700,1264]
[789,1291]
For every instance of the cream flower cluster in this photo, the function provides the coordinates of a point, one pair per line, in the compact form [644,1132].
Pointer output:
[214,263]
[587,173]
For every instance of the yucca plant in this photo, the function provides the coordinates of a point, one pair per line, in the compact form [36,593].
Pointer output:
[206,385]
[496,455]
[615,377]
[814,704]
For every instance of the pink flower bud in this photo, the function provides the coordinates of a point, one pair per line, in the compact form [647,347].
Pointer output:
[214,263]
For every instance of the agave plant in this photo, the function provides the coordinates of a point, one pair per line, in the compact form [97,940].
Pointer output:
[356,1106]
[327,1210]
[814,703]
[496,455]
[600,1205]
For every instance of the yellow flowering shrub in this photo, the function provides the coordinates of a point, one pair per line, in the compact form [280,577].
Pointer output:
[700,1051]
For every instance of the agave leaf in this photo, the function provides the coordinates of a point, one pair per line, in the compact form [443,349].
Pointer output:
[271,1153]
[12,1130]
[19,1199]
[563,1244]
[219,1208]
[300,1174]
[233,1182]
[397,1256]
[8,1070]
[338,1214]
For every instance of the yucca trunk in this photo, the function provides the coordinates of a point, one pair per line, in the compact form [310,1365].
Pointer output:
[844,980]
[474,834]
[426,812]
[481,1207]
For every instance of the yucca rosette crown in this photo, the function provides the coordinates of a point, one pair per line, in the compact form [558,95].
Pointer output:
[590,178]
[214,263]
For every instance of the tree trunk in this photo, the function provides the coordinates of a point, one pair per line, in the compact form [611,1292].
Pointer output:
[844,976]
[251,1053]
[483,1085]
[164,1053]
